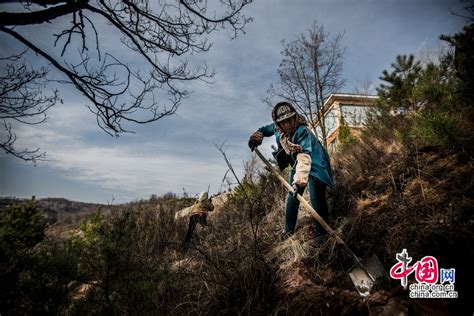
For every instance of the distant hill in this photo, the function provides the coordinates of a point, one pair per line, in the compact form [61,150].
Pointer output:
[60,209]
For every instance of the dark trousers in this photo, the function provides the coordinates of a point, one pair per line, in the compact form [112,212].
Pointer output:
[317,194]
[193,221]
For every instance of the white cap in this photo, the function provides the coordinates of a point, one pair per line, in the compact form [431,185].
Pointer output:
[282,111]
[202,196]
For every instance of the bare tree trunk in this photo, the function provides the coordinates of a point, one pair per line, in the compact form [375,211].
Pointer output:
[319,99]
[311,69]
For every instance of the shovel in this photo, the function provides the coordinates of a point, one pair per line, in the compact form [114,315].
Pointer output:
[365,271]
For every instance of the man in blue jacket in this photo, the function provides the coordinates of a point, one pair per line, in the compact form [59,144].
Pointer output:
[299,148]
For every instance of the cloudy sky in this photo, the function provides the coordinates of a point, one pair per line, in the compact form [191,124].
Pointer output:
[178,152]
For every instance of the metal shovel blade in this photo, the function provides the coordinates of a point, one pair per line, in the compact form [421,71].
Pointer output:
[362,280]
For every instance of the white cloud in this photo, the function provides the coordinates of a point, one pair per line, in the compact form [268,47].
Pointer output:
[177,152]
[138,175]
[130,169]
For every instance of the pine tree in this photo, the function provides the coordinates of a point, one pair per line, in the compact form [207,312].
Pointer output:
[397,93]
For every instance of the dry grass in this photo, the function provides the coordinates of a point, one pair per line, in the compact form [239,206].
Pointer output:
[387,198]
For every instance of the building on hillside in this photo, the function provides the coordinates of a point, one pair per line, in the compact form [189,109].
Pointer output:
[351,109]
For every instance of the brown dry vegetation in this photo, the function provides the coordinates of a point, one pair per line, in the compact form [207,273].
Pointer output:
[415,199]
[407,183]
[393,197]
[389,196]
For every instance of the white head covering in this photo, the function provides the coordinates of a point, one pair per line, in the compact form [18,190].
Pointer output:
[202,196]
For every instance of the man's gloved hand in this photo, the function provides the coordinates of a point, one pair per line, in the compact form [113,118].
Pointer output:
[298,189]
[255,140]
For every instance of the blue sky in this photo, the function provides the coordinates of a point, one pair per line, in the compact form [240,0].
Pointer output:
[178,152]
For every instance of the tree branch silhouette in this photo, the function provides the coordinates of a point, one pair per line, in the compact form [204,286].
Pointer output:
[160,33]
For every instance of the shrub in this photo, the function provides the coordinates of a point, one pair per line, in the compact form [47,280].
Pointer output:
[34,273]
[119,258]
[345,136]
[429,128]
[21,229]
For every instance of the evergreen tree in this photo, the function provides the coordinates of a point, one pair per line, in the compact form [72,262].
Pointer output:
[397,92]
[21,229]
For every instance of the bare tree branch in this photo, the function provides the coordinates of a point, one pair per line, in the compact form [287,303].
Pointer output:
[309,72]
[38,17]
[161,33]
[7,144]
[22,99]
[251,202]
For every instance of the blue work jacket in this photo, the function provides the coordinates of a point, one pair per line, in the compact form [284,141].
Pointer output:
[320,163]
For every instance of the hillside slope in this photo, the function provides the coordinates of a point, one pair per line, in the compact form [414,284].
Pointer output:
[388,197]
[420,201]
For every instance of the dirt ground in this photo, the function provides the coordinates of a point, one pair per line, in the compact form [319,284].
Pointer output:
[421,202]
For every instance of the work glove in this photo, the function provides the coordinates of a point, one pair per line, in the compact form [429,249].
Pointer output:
[255,140]
[298,189]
